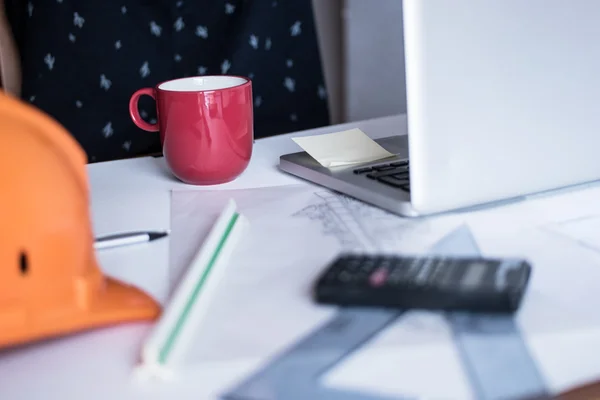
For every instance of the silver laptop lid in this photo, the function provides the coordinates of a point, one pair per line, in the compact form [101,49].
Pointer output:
[503,98]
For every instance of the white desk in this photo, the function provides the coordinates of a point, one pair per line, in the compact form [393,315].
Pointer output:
[135,194]
[130,195]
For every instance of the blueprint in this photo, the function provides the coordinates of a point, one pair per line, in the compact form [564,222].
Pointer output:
[363,228]
[297,229]
[584,231]
[360,227]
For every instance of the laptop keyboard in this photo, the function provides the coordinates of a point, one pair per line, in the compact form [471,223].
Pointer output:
[392,174]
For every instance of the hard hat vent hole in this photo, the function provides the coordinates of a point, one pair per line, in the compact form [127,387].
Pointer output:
[23,263]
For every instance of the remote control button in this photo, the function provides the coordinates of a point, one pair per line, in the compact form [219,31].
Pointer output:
[345,276]
[330,276]
[386,263]
[413,268]
[424,272]
[369,264]
[378,277]
[437,270]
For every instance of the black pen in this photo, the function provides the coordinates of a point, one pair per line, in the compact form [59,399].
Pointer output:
[127,238]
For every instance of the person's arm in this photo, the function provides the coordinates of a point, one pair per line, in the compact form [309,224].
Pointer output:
[10,66]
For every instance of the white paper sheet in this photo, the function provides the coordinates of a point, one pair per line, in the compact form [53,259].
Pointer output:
[342,148]
[265,304]
[296,231]
[144,264]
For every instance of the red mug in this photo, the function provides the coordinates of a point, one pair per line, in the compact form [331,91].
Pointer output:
[206,126]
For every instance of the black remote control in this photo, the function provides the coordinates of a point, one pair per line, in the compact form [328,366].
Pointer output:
[470,284]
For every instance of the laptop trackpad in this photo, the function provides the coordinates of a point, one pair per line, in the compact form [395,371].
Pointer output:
[397,144]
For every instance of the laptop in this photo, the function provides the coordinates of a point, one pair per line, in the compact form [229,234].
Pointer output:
[503,101]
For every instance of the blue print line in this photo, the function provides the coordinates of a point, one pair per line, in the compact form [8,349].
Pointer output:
[493,353]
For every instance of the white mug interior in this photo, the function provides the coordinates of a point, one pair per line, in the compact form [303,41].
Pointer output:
[202,83]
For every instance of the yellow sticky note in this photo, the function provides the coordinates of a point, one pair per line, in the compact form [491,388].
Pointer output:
[342,148]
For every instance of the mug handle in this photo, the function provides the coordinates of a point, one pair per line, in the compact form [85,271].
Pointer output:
[135,113]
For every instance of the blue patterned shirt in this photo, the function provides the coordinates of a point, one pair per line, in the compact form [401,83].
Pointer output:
[83,59]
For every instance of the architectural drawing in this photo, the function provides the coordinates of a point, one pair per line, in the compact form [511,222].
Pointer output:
[359,226]
[339,216]
[584,231]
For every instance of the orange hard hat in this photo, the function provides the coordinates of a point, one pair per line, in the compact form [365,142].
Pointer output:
[50,281]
